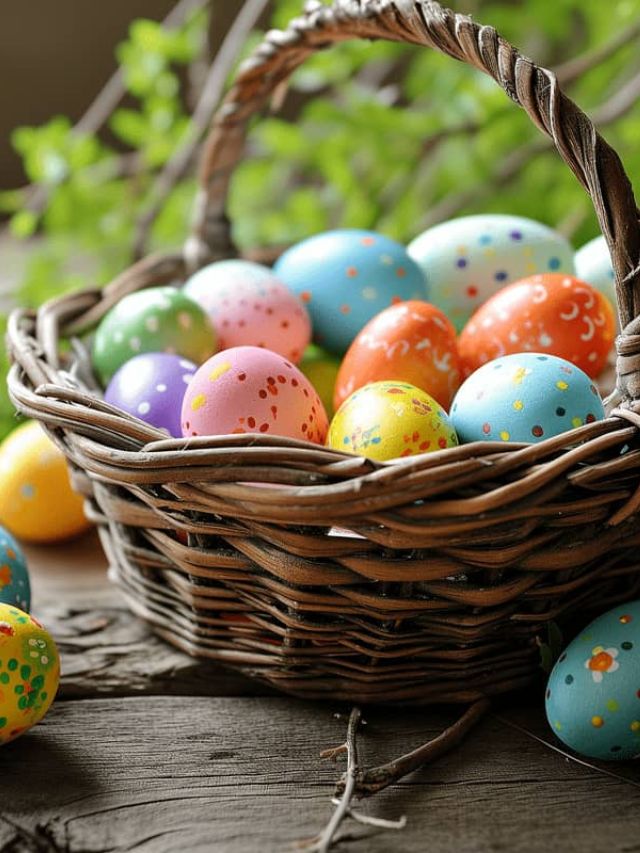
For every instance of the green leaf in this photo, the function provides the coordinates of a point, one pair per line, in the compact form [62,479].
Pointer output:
[23,224]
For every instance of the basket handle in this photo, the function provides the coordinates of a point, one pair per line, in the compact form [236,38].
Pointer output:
[425,22]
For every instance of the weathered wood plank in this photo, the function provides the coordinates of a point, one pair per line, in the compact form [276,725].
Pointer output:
[200,774]
[105,650]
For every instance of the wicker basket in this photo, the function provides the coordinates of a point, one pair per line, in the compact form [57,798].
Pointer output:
[461,558]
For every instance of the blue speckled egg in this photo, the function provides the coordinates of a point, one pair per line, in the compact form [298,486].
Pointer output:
[524,397]
[14,577]
[593,694]
[593,265]
[467,260]
[345,278]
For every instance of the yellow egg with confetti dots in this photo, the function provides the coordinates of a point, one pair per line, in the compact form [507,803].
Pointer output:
[37,503]
[29,672]
[390,420]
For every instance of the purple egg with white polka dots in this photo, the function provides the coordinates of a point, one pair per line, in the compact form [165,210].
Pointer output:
[151,386]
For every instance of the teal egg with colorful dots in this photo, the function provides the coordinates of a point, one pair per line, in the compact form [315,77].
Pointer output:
[157,319]
[15,588]
[524,397]
[29,672]
[593,693]
[467,260]
[593,265]
[346,277]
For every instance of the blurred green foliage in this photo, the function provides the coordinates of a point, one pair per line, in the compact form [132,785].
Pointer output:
[379,136]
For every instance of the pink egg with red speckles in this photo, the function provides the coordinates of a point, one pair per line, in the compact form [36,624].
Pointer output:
[249,306]
[253,390]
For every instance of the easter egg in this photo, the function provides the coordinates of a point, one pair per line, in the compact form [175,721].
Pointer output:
[249,306]
[151,386]
[552,313]
[15,588]
[37,503]
[467,260]
[252,390]
[345,278]
[158,319]
[593,265]
[412,342]
[387,420]
[29,672]
[524,397]
[321,369]
[593,693]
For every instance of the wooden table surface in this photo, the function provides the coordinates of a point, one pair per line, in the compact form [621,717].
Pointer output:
[145,750]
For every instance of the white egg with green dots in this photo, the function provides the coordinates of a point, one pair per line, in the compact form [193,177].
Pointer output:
[593,693]
[466,260]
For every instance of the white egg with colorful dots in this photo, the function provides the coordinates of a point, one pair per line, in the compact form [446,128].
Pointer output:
[467,260]
[345,278]
[524,397]
[593,265]
[593,693]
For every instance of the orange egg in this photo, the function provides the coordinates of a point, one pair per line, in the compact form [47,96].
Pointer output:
[410,342]
[553,312]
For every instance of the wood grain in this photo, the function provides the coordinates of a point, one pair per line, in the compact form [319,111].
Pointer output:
[234,775]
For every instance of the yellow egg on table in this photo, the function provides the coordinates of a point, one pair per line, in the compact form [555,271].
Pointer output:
[321,369]
[388,420]
[37,503]
[29,672]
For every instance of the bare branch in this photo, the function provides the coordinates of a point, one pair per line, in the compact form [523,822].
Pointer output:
[178,164]
[575,68]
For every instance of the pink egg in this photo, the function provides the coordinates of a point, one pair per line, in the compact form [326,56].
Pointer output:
[249,306]
[252,390]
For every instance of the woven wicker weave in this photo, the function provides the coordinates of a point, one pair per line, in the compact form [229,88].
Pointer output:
[461,558]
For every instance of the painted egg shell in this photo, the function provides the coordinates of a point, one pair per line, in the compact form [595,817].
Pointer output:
[524,397]
[593,694]
[467,260]
[411,342]
[158,319]
[152,386]
[249,306]
[593,265]
[321,369]
[347,277]
[557,314]
[37,503]
[387,420]
[15,588]
[252,390]
[29,672]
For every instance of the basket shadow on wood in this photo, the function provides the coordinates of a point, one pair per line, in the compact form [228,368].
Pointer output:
[429,579]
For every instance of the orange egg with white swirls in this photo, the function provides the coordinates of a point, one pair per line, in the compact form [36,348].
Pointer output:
[553,313]
[410,342]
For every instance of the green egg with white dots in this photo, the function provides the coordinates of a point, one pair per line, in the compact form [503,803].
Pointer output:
[157,319]
[593,693]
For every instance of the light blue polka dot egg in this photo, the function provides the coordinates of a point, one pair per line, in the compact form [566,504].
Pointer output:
[593,265]
[525,397]
[15,588]
[467,260]
[345,278]
[593,694]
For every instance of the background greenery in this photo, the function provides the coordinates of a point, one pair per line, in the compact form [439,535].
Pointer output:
[373,135]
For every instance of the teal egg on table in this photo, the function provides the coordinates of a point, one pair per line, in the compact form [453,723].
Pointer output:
[467,260]
[593,693]
[593,265]
[15,588]
[524,397]
[157,319]
[345,278]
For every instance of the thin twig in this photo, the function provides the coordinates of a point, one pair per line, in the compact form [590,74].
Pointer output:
[371,820]
[104,104]
[375,779]
[175,168]
[575,68]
